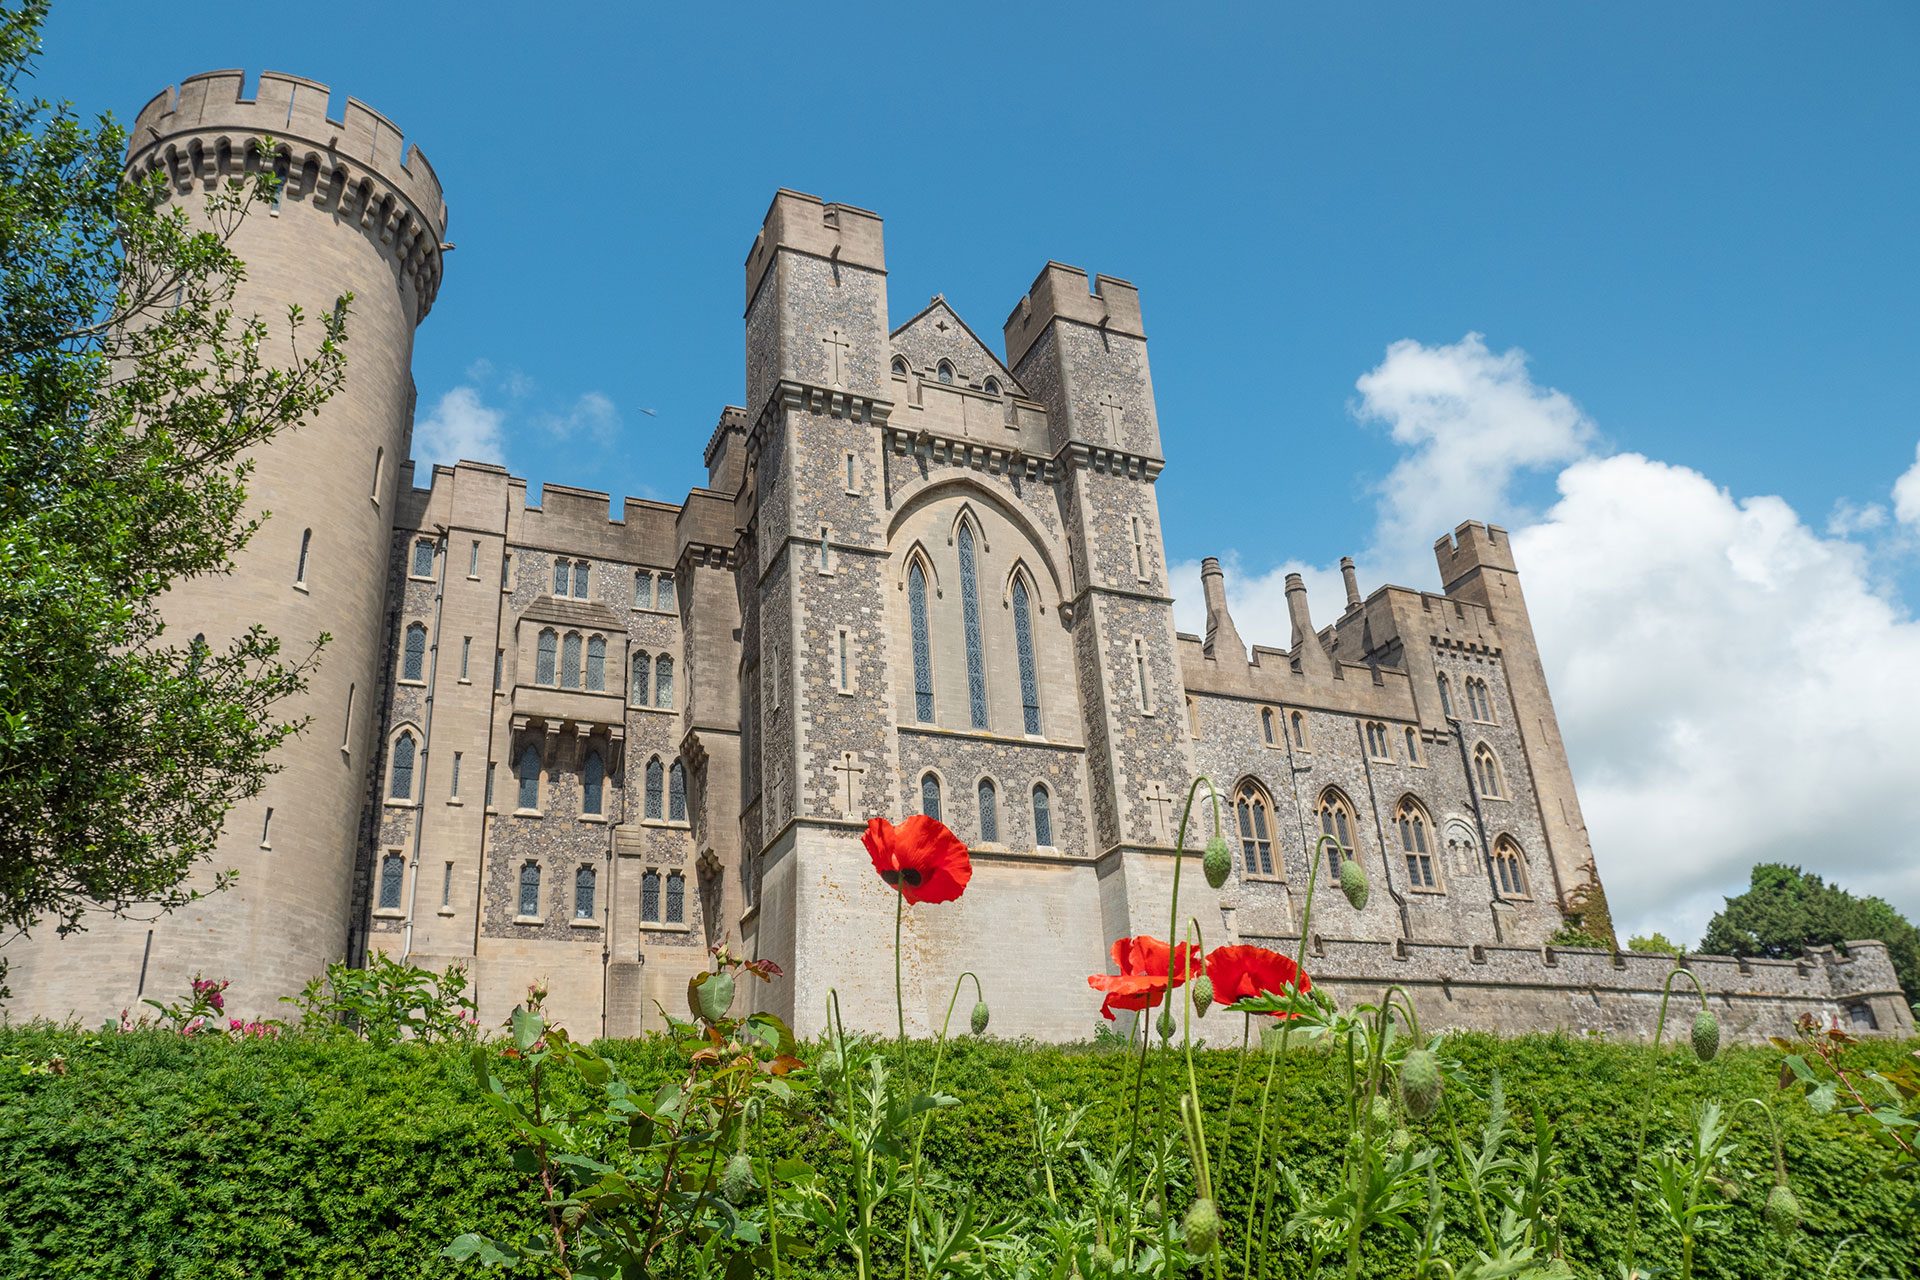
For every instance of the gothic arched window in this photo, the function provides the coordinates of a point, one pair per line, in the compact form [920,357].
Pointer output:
[414,665]
[930,795]
[1510,868]
[402,784]
[944,372]
[677,793]
[1254,813]
[922,644]
[1266,724]
[1042,816]
[543,669]
[663,598]
[1299,725]
[562,576]
[1446,696]
[1416,843]
[643,589]
[1486,771]
[1023,645]
[676,898]
[970,625]
[637,695]
[656,782]
[1479,701]
[991,386]
[393,874]
[530,889]
[1337,820]
[1377,747]
[570,661]
[989,798]
[583,887]
[1413,745]
[899,366]
[597,663]
[593,780]
[528,774]
[663,681]
[580,579]
[650,895]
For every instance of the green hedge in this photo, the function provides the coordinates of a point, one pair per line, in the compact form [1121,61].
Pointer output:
[154,1155]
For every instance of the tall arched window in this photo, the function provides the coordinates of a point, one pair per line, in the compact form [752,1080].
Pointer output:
[543,670]
[1266,724]
[562,576]
[1377,741]
[423,558]
[677,793]
[1337,820]
[922,645]
[1416,843]
[663,681]
[944,372]
[663,597]
[1413,745]
[413,665]
[1510,868]
[1298,722]
[306,545]
[530,889]
[402,784]
[570,660]
[1023,646]
[1446,696]
[597,663]
[1042,816]
[1486,770]
[650,895]
[1479,701]
[527,771]
[643,589]
[593,782]
[583,886]
[930,796]
[989,798]
[580,579]
[970,626]
[676,898]
[637,695]
[393,875]
[656,784]
[1254,813]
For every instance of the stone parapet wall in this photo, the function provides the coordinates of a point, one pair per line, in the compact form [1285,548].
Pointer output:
[1522,989]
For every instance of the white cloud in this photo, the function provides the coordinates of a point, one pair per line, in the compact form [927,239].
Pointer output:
[1906,493]
[1731,685]
[593,415]
[461,425]
[1848,518]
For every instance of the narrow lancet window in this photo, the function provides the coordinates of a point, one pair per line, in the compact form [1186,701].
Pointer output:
[1023,644]
[922,646]
[1042,817]
[989,812]
[970,624]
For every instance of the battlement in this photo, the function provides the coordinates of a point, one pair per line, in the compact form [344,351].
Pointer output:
[1062,292]
[293,109]
[1472,546]
[795,220]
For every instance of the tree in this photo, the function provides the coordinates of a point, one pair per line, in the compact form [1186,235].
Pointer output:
[130,395]
[1656,942]
[1786,909]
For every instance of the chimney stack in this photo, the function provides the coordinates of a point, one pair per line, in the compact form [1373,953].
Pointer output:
[1222,635]
[1353,583]
[1308,654]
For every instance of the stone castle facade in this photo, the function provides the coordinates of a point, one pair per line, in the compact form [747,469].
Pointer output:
[552,744]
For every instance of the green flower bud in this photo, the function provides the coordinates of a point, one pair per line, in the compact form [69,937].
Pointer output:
[1399,1141]
[737,1183]
[980,1017]
[1783,1211]
[829,1067]
[1165,1024]
[1353,883]
[1218,862]
[1201,989]
[1151,1209]
[1420,1083]
[1102,1259]
[1706,1035]
[1379,1113]
[1202,1228]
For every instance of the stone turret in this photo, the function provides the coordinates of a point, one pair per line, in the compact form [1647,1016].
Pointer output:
[1223,641]
[1308,653]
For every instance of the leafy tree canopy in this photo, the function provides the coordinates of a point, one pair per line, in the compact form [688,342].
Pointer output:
[131,394]
[1786,909]
[1656,942]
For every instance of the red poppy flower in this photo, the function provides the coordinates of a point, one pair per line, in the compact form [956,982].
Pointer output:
[1147,968]
[920,857]
[1240,972]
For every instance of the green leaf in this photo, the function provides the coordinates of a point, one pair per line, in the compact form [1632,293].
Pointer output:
[527,1028]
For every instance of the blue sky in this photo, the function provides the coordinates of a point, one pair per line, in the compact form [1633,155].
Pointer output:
[1693,224]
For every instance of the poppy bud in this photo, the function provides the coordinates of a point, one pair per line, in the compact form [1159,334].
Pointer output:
[1165,1024]
[1102,1259]
[1420,1083]
[980,1017]
[737,1183]
[1783,1211]
[1201,989]
[1217,862]
[1379,1113]
[1706,1035]
[829,1067]
[1399,1141]
[1353,883]
[1151,1209]
[1202,1227]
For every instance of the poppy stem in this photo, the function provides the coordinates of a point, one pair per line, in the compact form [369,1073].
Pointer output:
[899,998]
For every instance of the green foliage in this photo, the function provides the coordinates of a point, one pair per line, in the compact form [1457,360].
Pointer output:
[308,1156]
[1785,910]
[1572,935]
[387,1000]
[130,395]
[1656,943]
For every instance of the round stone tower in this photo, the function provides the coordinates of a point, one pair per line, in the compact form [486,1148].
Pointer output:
[356,213]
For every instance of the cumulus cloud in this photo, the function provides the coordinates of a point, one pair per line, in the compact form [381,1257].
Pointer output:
[461,425]
[593,416]
[1731,685]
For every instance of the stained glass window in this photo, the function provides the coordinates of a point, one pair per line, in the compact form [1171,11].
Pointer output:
[643,589]
[593,778]
[393,872]
[570,661]
[1336,820]
[423,558]
[989,812]
[641,664]
[580,579]
[530,889]
[528,773]
[655,781]
[676,898]
[665,597]
[561,570]
[1023,643]
[1256,836]
[970,622]
[583,886]
[402,788]
[922,646]
[543,660]
[677,793]
[663,682]
[930,796]
[1042,816]
[650,896]
[414,667]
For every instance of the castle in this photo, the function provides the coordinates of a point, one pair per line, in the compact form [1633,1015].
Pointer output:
[549,744]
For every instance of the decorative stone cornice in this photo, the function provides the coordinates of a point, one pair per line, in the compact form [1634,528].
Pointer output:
[1084,455]
[978,455]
